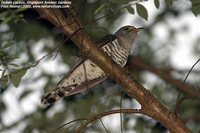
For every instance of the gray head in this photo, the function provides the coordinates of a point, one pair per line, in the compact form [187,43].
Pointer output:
[127,35]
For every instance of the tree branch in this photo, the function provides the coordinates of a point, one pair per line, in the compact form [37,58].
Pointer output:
[136,63]
[150,105]
[96,117]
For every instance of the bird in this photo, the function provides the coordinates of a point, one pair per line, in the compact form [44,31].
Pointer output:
[86,74]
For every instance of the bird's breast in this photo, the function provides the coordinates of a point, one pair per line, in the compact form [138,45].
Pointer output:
[118,53]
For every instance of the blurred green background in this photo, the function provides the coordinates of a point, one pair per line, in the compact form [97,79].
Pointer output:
[34,56]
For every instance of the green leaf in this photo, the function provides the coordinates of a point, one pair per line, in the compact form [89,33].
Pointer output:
[24,94]
[3,82]
[16,77]
[196,10]
[195,7]
[142,11]
[12,64]
[3,73]
[195,1]
[130,10]
[169,2]
[121,1]
[1,52]
[3,15]
[157,3]
[7,19]
[21,10]
[3,106]
[4,79]
[12,57]
[7,45]
[16,80]
[100,8]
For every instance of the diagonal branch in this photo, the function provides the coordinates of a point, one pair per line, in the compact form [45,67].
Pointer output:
[186,89]
[150,105]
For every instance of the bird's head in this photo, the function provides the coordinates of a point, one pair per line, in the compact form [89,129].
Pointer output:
[127,35]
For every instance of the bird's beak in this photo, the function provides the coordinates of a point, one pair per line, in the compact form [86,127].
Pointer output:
[139,29]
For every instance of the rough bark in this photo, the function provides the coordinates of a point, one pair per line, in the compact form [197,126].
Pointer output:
[150,106]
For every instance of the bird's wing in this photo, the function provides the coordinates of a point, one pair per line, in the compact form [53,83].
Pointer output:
[78,63]
[61,89]
[100,43]
[105,40]
[85,86]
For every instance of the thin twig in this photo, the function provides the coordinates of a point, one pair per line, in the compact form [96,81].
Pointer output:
[103,125]
[94,118]
[84,66]
[179,99]
[121,117]
[110,13]
[80,119]
[34,64]
[150,105]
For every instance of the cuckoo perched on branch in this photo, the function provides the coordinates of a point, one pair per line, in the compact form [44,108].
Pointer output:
[86,74]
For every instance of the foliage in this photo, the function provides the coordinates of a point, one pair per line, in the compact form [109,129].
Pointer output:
[142,11]
[195,6]
[21,39]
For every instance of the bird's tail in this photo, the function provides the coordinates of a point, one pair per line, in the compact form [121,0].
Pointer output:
[62,91]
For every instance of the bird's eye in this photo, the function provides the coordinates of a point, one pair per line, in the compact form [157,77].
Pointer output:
[127,29]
